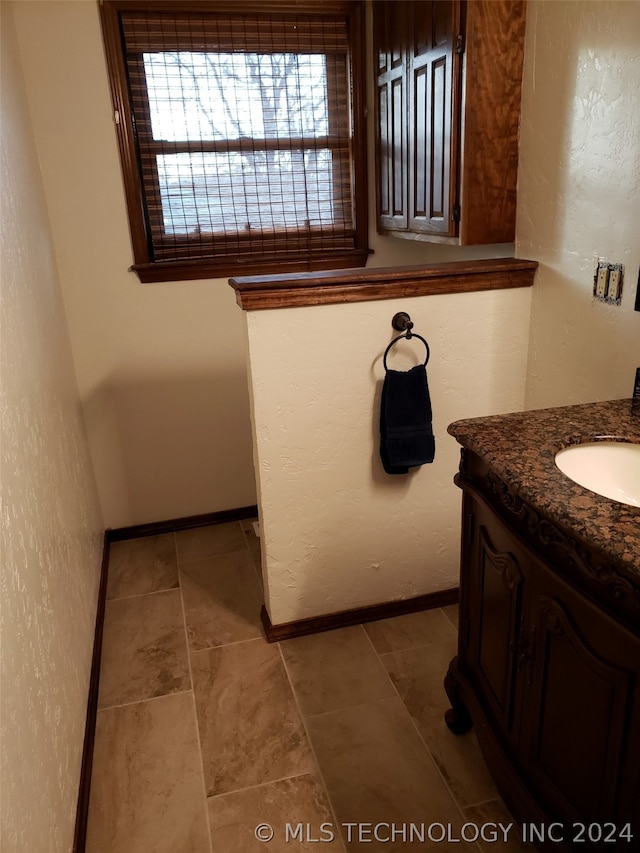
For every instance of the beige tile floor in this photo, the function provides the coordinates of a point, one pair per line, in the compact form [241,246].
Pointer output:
[205,731]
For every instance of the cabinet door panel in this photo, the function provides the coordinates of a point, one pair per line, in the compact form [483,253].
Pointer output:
[430,118]
[390,33]
[576,704]
[392,185]
[431,25]
[421,31]
[420,167]
[496,583]
[440,130]
[399,148]
[390,24]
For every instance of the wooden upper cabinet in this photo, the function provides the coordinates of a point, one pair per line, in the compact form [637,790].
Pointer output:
[449,76]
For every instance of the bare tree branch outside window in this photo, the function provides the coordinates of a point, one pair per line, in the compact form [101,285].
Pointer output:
[270,99]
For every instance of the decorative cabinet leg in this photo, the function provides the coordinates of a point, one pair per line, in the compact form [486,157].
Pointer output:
[457,717]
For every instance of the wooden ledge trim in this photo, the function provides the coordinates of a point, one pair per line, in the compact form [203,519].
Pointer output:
[370,613]
[259,292]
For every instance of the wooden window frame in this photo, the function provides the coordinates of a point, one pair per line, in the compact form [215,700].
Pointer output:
[148,266]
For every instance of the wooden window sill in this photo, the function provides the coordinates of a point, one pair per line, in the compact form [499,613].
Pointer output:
[278,267]
[256,293]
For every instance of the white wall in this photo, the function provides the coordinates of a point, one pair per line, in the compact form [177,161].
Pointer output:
[161,367]
[579,196]
[339,533]
[51,526]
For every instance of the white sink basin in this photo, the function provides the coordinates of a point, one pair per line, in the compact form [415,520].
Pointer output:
[609,468]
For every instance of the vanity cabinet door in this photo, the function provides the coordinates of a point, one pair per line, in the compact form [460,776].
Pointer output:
[581,690]
[492,627]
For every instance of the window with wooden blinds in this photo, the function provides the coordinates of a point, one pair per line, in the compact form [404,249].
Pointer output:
[241,131]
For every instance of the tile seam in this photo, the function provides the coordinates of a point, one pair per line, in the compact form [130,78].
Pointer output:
[497,799]
[454,800]
[201,559]
[226,645]
[143,594]
[260,785]
[411,649]
[253,563]
[194,707]
[142,701]
[209,556]
[313,751]
[449,618]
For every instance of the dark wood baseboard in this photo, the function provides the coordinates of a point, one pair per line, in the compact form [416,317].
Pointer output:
[302,627]
[154,528]
[82,813]
[117,535]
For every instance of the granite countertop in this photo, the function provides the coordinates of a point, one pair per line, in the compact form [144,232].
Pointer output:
[520,449]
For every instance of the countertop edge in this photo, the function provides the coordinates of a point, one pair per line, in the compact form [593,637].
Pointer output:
[608,528]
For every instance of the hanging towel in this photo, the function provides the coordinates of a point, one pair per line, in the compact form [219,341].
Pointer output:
[406,436]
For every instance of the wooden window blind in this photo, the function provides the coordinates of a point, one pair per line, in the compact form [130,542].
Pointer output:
[241,135]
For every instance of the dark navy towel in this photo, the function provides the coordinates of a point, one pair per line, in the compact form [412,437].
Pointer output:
[406,436]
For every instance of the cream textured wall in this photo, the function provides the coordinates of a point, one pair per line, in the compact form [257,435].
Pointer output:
[51,526]
[338,532]
[161,367]
[579,196]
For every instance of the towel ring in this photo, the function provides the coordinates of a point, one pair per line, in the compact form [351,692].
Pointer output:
[408,336]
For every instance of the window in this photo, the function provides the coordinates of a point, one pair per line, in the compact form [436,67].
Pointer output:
[241,133]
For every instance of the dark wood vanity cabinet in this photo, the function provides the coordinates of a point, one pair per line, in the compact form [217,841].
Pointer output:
[547,671]
[447,114]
